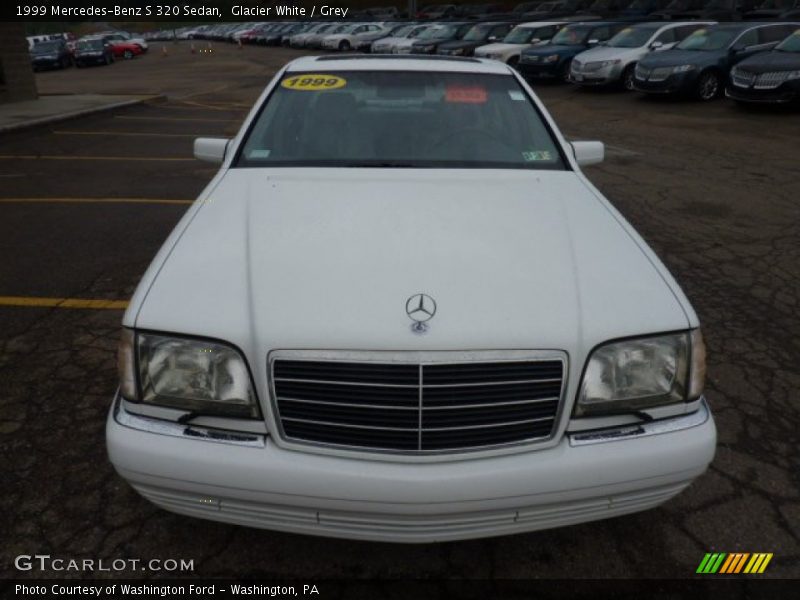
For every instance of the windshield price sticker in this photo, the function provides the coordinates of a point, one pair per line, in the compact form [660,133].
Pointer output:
[537,156]
[465,95]
[313,83]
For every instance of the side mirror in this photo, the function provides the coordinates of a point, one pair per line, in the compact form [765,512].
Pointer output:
[593,42]
[656,45]
[492,38]
[535,40]
[210,149]
[588,153]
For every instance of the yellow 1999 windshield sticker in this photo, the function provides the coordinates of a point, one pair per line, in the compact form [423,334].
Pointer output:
[313,82]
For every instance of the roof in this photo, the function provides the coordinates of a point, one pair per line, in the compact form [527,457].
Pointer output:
[396,62]
[537,24]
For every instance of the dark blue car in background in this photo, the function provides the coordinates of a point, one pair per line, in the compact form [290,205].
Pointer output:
[700,65]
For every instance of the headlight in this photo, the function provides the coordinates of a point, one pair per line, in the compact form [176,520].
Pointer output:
[550,59]
[606,63]
[194,375]
[643,373]
[793,75]
[428,48]
[682,68]
[458,52]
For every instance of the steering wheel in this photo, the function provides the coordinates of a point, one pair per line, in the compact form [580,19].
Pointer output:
[469,131]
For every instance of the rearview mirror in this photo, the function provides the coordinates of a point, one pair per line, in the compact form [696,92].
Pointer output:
[588,153]
[210,149]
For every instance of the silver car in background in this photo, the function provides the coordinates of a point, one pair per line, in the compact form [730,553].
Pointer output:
[615,60]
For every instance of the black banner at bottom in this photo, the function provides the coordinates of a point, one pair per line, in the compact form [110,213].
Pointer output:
[445,589]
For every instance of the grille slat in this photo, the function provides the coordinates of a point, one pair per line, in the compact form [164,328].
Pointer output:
[417,407]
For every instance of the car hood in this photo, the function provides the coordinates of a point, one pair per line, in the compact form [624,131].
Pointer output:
[327,258]
[455,44]
[548,49]
[489,48]
[605,53]
[771,61]
[675,57]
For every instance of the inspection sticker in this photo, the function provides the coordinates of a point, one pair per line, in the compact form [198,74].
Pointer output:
[258,153]
[516,95]
[465,94]
[537,155]
[313,82]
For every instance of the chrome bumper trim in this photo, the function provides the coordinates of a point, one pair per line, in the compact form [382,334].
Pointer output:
[192,432]
[640,430]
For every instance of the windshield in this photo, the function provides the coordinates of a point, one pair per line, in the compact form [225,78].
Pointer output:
[526,7]
[90,45]
[571,36]
[401,31]
[421,119]
[45,47]
[520,35]
[345,28]
[791,43]
[708,40]
[477,33]
[438,32]
[632,37]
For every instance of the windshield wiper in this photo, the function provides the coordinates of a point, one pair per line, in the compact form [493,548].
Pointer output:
[381,165]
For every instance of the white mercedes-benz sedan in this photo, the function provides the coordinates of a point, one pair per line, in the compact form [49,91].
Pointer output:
[401,312]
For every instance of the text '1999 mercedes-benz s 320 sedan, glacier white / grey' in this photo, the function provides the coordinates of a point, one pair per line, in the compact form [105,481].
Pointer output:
[400,312]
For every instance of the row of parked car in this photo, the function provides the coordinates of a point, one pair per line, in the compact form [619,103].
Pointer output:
[63,50]
[749,61]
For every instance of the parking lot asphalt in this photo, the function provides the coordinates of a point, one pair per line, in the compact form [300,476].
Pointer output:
[85,204]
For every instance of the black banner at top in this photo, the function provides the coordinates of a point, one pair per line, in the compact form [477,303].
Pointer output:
[190,11]
[195,11]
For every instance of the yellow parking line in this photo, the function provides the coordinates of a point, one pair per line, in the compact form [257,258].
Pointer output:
[62,302]
[176,119]
[94,201]
[66,157]
[130,133]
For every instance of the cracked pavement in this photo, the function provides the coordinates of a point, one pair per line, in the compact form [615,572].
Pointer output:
[714,189]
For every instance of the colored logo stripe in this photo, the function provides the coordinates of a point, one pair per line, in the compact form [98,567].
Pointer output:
[721,562]
[758,563]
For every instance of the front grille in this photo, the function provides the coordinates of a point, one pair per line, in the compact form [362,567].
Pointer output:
[660,73]
[769,81]
[742,78]
[415,406]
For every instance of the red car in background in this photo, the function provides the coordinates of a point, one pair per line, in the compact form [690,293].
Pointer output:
[126,50]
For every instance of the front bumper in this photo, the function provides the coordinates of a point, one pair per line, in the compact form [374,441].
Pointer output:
[539,70]
[677,83]
[603,76]
[248,480]
[785,93]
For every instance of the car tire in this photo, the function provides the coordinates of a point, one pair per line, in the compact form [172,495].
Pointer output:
[344,46]
[709,86]
[107,60]
[628,75]
[127,55]
[563,73]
